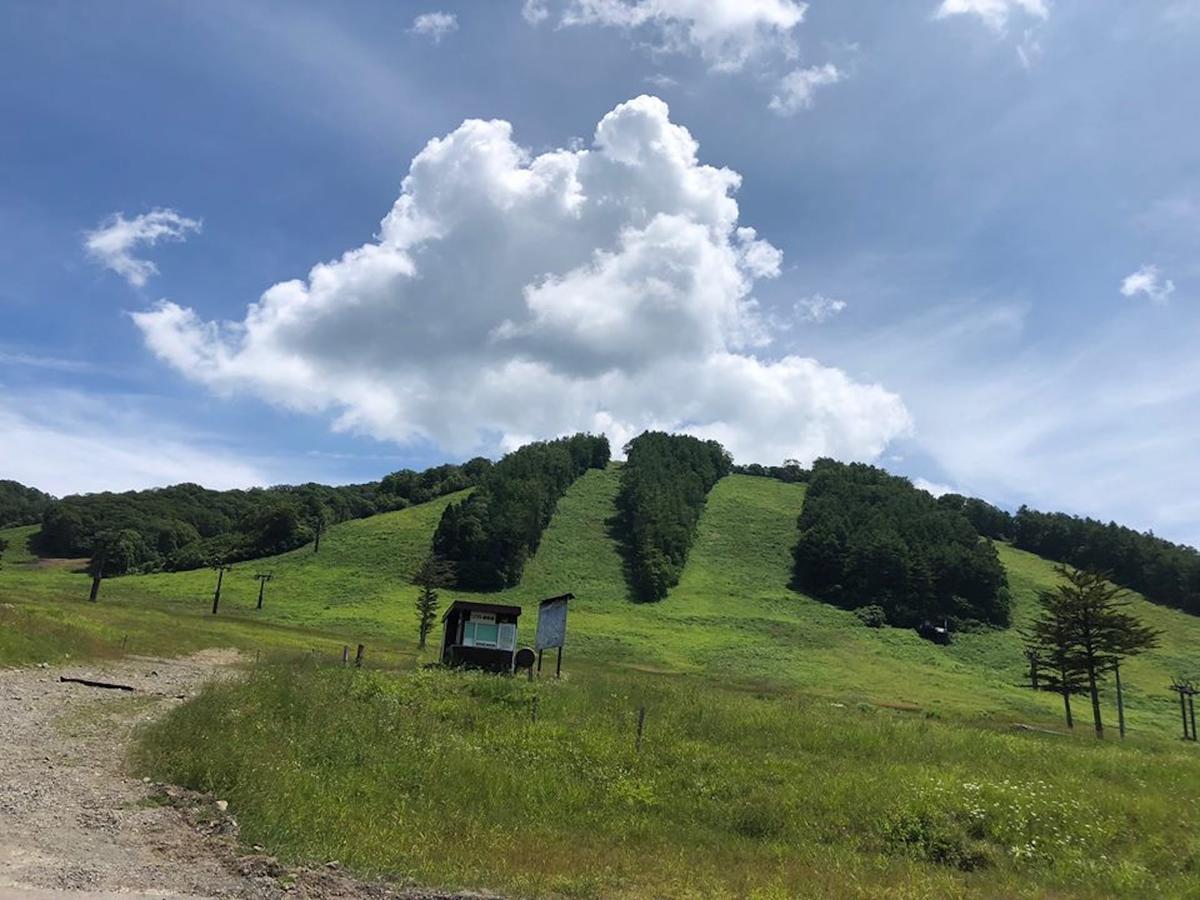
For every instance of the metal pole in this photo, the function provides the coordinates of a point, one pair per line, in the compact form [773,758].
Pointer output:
[558,663]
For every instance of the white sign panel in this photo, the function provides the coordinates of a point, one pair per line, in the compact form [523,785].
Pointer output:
[552,625]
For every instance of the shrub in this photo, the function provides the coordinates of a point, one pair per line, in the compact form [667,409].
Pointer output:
[872,616]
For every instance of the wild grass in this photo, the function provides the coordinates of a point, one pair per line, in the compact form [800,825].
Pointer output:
[447,779]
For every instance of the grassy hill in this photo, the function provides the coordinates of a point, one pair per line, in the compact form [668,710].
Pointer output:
[732,617]
[791,749]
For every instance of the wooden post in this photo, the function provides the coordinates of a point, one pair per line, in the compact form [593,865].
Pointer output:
[558,664]
[263,578]
[540,652]
[358,657]
[1192,709]
[641,727]
[346,655]
[97,576]
[1180,688]
[1120,699]
[221,570]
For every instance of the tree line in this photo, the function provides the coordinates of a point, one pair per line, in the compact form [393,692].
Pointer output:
[20,505]
[487,538]
[664,484]
[187,526]
[1163,572]
[868,538]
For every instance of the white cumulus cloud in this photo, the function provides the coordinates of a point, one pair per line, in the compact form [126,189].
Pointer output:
[510,296]
[435,25]
[994,13]
[1149,281]
[796,89]
[112,243]
[727,33]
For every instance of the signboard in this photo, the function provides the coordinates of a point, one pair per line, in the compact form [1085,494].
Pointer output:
[485,617]
[552,624]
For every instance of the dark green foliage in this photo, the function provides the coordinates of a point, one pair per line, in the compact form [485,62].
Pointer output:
[867,537]
[20,505]
[664,483]
[188,527]
[1165,573]
[489,536]
[987,519]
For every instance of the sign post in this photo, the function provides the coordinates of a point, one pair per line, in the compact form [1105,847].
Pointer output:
[552,629]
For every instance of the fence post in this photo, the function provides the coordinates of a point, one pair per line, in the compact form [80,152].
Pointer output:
[641,727]
[345,654]
[358,657]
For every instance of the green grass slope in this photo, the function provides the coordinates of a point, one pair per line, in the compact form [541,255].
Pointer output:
[732,618]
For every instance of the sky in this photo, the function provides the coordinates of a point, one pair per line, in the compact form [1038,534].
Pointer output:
[254,242]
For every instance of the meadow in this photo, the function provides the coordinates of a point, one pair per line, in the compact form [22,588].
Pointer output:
[790,749]
[459,780]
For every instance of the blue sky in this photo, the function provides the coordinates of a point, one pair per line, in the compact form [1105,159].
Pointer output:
[973,259]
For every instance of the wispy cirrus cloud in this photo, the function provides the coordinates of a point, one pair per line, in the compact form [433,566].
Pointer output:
[112,243]
[68,441]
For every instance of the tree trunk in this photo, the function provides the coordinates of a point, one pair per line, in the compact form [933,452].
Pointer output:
[95,588]
[1120,700]
[1095,692]
[1066,692]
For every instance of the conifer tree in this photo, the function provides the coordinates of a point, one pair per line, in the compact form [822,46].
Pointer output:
[433,573]
[1084,631]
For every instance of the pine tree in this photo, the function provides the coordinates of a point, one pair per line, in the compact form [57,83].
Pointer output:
[432,574]
[1085,631]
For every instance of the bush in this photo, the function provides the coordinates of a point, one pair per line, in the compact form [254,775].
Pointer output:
[872,616]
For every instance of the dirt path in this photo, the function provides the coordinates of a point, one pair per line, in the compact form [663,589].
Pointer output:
[74,825]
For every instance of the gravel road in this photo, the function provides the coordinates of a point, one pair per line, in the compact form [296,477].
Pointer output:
[74,824]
